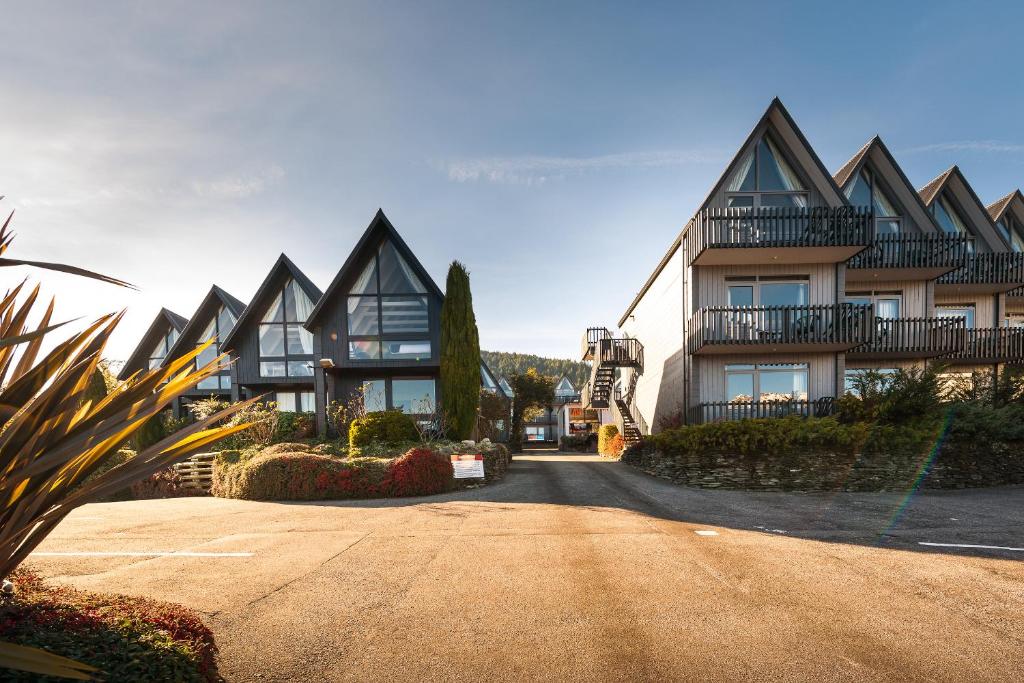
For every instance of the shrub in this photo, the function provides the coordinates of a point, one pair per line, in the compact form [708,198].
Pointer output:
[163,484]
[616,444]
[604,437]
[285,447]
[460,355]
[574,442]
[128,638]
[420,472]
[755,438]
[294,426]
[387,426]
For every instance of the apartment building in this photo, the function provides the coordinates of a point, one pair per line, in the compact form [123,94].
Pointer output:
[790,279]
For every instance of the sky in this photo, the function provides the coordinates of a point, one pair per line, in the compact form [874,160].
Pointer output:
[554,148]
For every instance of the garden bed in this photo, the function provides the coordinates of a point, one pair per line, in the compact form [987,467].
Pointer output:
[126,638]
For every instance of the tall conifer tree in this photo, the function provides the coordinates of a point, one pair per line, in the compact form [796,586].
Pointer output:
[460,355]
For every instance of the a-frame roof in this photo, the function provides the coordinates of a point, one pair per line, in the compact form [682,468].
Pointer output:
[164,321]
[565,378]
[379,229]
[281,266]
[211,302]
[881,158]
[998,208]
[485,368]
[953,179]
[796,143]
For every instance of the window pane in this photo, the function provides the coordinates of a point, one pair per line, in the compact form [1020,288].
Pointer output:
[271,340]
[364,350]
[957,312]
[300,340]
[285,401]
[367,282]
[408,350]
[404,314]
[225,382]
[786,200]
[781,385]
[297,306]
[773,173]
[741,202]
[206,356]
[396,277]
[887,308]
[272,368]
[275,311]
[784,294]
[307,401]
[741,295]
[154,363]
[744,179]
[413,396]
[947,217]
[208,331]
[858,191]
[374,398]
[208,383]
[300,368]
[739,386]
[883,206]
[362,315]
[887,227]
[225,321]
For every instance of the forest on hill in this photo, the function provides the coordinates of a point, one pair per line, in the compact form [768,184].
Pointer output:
[503,363]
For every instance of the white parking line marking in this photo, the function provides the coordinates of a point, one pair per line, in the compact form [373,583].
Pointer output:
[139,553]
[968,545]
[705,532]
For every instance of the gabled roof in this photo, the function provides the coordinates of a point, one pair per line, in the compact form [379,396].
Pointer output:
[796,142]
[281,266]
[565,378]
[882,159]
[165,320]
[484,367]
[978,215]
[215,297]
[378,229]
[999,207]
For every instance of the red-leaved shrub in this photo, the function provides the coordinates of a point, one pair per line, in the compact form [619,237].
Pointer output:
[420,472]
[163,484]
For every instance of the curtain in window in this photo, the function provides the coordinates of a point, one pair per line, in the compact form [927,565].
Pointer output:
[743,180]
[303,304]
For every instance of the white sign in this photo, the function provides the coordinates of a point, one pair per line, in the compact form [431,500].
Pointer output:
[468,466]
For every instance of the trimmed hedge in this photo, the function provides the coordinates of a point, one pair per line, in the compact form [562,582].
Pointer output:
[605,435]
[127,638]
[386,426]
[308,476]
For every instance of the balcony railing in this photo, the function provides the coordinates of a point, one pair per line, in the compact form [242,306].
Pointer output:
[1003,270]
[721,411]
[730,329]
[779,228]
[590,339]
[914,338]
[923,251]
[992,345]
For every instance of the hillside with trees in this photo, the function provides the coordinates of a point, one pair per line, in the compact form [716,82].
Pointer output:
[503,363]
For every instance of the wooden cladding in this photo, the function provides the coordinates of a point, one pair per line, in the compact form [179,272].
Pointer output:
[992,345]
[985,269]
[914,337]
[721,411]
[840,325]
[926,250]
[820,226]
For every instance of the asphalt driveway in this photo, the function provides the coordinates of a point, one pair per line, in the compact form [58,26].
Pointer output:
[576,568]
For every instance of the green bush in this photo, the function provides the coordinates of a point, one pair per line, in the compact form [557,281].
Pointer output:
[574,442]
[755,438]
[294,426]
[386,427]
[605,435]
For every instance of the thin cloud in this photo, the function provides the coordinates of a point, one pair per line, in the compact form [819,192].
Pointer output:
[537,170]
[239,186]
[983,146]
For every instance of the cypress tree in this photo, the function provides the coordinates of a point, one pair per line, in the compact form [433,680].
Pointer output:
[460,355]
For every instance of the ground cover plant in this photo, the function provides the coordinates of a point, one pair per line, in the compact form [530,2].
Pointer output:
[126,638]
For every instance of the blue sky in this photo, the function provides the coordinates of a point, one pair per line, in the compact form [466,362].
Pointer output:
[555,148]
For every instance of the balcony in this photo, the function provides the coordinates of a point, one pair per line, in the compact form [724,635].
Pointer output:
[722,411]
[743,329]
[985,274]
[913,338]
[720,237]
[908,257]
[991,345]
[607,353]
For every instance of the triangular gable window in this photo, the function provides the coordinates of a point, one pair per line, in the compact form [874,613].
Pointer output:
[396,277]
[765,178]
[863,190]
[949,219]
[216,329]
[286,348]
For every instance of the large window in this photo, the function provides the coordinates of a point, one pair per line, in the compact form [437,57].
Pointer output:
[865,190]
[949,218]
[411,395]
[1013,231]
[965,311]
[295,401]
[765,179]
[159,352]
[286,347]
[768,382]
[887,304]
[388,312]
[216,329]
[768,291]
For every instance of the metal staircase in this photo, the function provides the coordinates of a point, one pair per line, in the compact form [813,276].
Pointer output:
[607,354]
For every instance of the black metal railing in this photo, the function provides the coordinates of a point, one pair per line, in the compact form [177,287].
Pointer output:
[1003,268]
[590,339]
[560,399]
[913,251]
[626,406]
[721,411]
[992,344]
[820,226]
[621,352]
[921,337]
[835,324]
